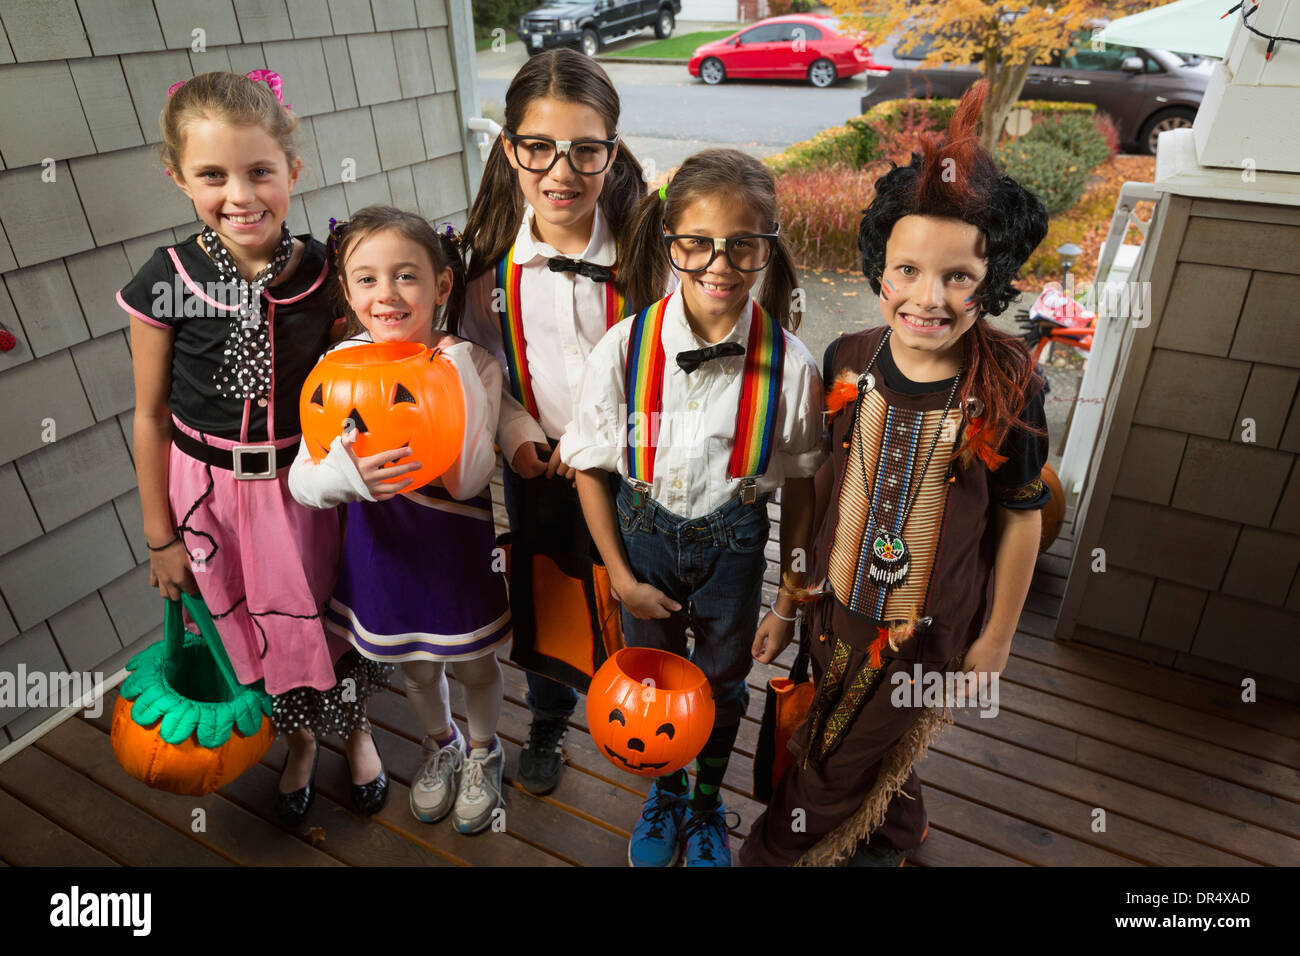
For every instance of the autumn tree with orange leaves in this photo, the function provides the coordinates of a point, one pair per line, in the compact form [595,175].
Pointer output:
[1008,38]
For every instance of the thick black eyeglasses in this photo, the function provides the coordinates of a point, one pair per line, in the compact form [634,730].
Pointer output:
[539,154]
[748,252]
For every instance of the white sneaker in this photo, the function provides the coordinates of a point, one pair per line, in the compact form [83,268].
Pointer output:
[434,787]
[480,789]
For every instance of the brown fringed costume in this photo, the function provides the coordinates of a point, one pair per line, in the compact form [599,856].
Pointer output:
[853,778]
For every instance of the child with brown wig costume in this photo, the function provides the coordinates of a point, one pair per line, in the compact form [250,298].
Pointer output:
[931,501]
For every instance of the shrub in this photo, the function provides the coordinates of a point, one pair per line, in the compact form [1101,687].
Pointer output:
[820,211]
[859,141]
[1091,214]
[490,14]
[899,135]
[1055,175]
[1109,131]
[802,6]
[1076,134]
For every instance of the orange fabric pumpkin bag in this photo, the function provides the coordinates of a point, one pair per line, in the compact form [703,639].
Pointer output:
[182,721]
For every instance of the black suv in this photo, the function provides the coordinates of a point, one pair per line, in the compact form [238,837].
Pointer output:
[590,25]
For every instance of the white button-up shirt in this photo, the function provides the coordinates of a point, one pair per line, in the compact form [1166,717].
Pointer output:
[563,319]
[697,427]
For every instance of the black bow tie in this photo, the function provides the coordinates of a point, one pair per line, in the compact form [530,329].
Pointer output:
[692,359]
[589,269]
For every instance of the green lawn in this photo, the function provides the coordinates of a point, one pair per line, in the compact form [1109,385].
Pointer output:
[674,48]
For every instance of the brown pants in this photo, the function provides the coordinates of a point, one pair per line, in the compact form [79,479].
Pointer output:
[810,802]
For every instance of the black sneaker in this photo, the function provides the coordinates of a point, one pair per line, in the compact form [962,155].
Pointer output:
[542,759]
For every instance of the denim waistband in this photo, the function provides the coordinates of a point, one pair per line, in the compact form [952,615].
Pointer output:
[712,526]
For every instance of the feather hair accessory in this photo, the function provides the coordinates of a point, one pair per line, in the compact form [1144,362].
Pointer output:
[842,391]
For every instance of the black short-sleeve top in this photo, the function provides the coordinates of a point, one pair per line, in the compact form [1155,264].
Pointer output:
[179,288]
[1017,484]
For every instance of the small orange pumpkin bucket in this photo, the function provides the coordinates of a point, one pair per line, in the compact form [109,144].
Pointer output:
[395,393]
[649,711]
[182,721]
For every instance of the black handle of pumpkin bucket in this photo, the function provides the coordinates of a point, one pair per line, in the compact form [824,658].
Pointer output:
[174,634]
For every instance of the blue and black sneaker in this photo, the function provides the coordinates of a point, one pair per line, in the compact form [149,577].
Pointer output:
[654,838]
[706,836]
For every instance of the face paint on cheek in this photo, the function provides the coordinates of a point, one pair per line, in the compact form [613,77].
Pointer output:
[969,305]
[886,288]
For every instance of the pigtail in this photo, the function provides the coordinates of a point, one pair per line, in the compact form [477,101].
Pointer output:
[620,200]
[645,262]
[496,214]
[453,310]
[779,283]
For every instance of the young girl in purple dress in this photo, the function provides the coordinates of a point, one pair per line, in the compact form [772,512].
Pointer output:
[417,583]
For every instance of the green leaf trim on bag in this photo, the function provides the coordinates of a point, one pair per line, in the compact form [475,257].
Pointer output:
[186,681]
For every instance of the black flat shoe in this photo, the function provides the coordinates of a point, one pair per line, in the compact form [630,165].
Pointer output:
[291,808]
[369,798]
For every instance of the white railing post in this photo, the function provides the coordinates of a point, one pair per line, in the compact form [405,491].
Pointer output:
[1115,264]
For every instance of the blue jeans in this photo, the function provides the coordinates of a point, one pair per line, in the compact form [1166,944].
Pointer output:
[713,566]
[549,510]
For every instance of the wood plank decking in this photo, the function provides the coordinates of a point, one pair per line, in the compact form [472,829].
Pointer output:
[1186,773]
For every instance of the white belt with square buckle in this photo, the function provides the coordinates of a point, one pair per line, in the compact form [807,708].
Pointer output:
[244,474]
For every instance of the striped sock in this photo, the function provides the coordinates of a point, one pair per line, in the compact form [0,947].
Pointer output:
[711,767]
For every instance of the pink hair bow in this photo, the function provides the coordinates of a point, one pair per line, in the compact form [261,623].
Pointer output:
[270,77]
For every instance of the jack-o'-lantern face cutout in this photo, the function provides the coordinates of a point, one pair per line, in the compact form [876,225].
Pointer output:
[636,745]
[650,712]
[394,394]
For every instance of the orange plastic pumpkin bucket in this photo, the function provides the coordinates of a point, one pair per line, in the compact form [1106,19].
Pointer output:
[650,712]
[396,393]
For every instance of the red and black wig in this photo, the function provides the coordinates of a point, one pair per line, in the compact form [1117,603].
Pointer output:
[954,177]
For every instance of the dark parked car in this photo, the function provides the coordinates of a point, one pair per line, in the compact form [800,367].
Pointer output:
[1145,91]
[590,25]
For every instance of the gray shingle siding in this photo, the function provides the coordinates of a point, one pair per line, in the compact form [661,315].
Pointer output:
[83,86]
[1205,501]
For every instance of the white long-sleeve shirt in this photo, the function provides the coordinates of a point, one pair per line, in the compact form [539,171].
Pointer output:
[564,318]
[335,479]
[697,427]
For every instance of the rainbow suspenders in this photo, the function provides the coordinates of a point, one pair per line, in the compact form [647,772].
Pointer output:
[509,274]
[760,394]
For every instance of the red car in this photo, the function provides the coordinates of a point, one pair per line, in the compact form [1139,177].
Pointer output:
[790,47]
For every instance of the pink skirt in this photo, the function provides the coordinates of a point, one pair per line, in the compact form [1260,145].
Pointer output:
[265,566]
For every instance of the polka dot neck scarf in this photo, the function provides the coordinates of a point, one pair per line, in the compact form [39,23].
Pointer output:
[245,370]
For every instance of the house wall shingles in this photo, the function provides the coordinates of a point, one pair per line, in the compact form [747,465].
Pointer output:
[1269,330]
[121,26]
[1207,301]
[20,524]
[180,18]
[73,567]
[50,30]
[1211,515]
[1266,403]
[106,102]
[309,18]
[44,219]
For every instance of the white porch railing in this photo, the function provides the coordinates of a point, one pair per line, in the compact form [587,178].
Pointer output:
[1118,303]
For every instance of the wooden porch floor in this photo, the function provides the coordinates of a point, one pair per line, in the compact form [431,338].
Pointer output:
[1186,772]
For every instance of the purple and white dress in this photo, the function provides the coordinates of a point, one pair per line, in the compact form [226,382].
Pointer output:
[419,577]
